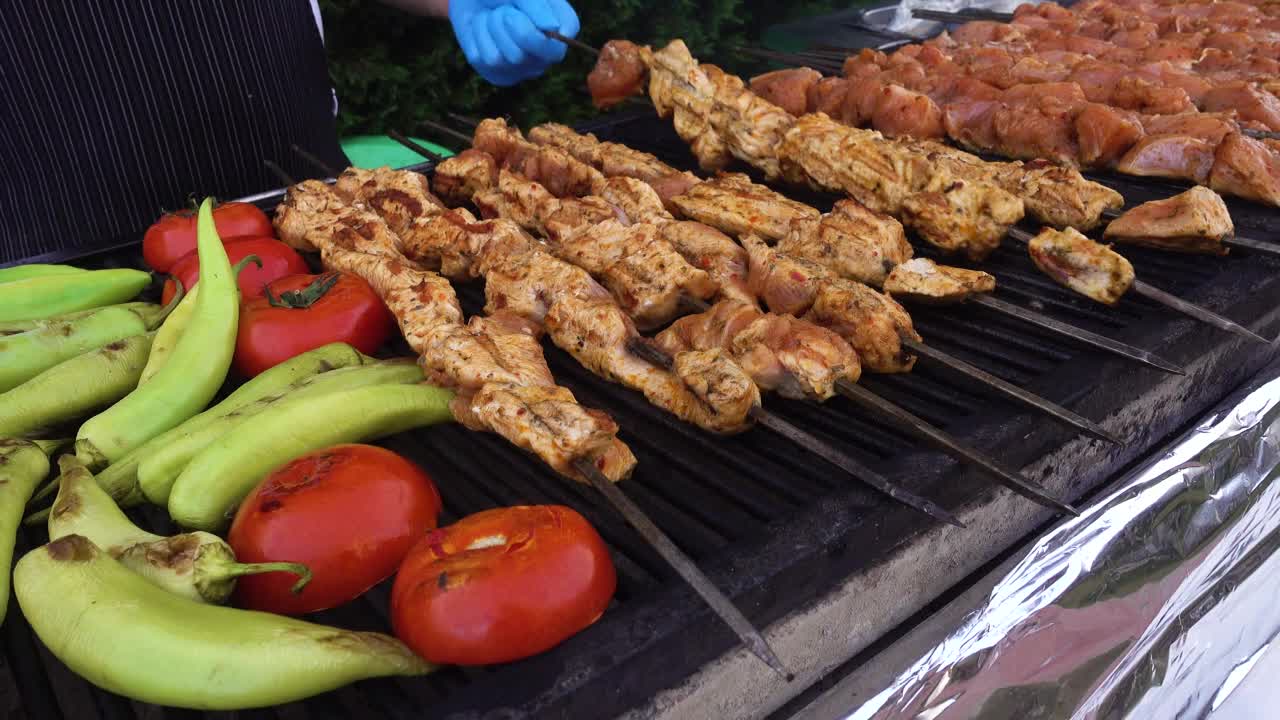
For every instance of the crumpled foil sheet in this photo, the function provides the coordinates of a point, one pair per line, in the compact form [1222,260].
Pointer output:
[1153,604]
[903,21]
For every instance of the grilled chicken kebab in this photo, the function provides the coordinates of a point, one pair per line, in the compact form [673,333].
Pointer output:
[1068,107]
[703,387]
[873,323]
[494,363]
[1195,221]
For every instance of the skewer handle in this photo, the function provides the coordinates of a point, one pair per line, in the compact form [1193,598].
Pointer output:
[319,164]
[687,570]
[414,146]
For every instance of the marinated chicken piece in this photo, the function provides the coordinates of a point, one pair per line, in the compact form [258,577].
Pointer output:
[617,160]
[1195,221]
[1170,156]
[501,348]
[1247,168]
[558,171]
[851,240]
[735,204]
[420,300]
[925,281]
[1209,127]
[899,112]
[749,127]
[530,205]
[703,387]
[1105,134]
[529,283]
[443,242]
[710,250]
[457,179]
[955,215]
[873,323]
[1087,267]
[1250,103]
[548,422]
[304,218]
[561,216]
[788,89]
[619,73]
[645,274]
[637,201]
[792,357]
[1057,195]
[864,164]
[398,196]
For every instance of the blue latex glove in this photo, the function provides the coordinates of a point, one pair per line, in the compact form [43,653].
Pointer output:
[503,39]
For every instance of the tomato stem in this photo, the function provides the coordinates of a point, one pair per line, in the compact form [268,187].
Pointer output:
[235,269]
[304,298]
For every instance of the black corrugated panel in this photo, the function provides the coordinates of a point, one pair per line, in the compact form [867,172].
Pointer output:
[771,524]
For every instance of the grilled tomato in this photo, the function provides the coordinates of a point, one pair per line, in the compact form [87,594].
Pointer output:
[350,513]
[501,585]
[174,234]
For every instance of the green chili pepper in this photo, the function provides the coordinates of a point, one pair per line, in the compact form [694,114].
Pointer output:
[23,464]
[74,388]
[20,326]
[120,478]
[158,470]
[127,636]
[41,297]
[198,566]
[169,334]
[30,353]
[208,491]
[26,272]
[194,372]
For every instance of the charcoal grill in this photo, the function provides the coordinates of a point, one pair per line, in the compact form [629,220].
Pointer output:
[803,549]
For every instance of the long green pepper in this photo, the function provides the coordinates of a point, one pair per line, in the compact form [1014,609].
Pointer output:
[23,464]
[194,372]
[158,470]
[74,388]
[198,565]
[211,487]
[25,355]
[34,270]
[125,635]
[120,478]
[47,295]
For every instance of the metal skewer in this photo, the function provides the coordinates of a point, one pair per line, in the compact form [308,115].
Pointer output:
[659,358]
[570,41]
[279,172]
[315,160]
[415,146]
[1008,478]
[1093,339]
[1235,242]
[701,584]
[966,15]
[663,545]
[1172,302]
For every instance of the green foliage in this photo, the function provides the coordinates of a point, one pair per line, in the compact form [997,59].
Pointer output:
[392,70]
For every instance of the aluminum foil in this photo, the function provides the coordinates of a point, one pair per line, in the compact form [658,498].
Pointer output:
[1155,603]
[903,21]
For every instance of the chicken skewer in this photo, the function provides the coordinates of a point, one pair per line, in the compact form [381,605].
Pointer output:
[810,382]
[736,205]
[711,331]
[816,386]
[1195,221]
[894,356]
[413,311]
[1102,275]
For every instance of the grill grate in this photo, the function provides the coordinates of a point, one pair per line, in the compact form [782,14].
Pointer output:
[771,525]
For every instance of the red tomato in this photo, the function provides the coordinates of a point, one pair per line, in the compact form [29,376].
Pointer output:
[302,312]
[349,513]
[501,585]
[278,260]
[174,234]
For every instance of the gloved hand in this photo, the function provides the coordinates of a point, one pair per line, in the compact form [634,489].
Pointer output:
[503,39]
